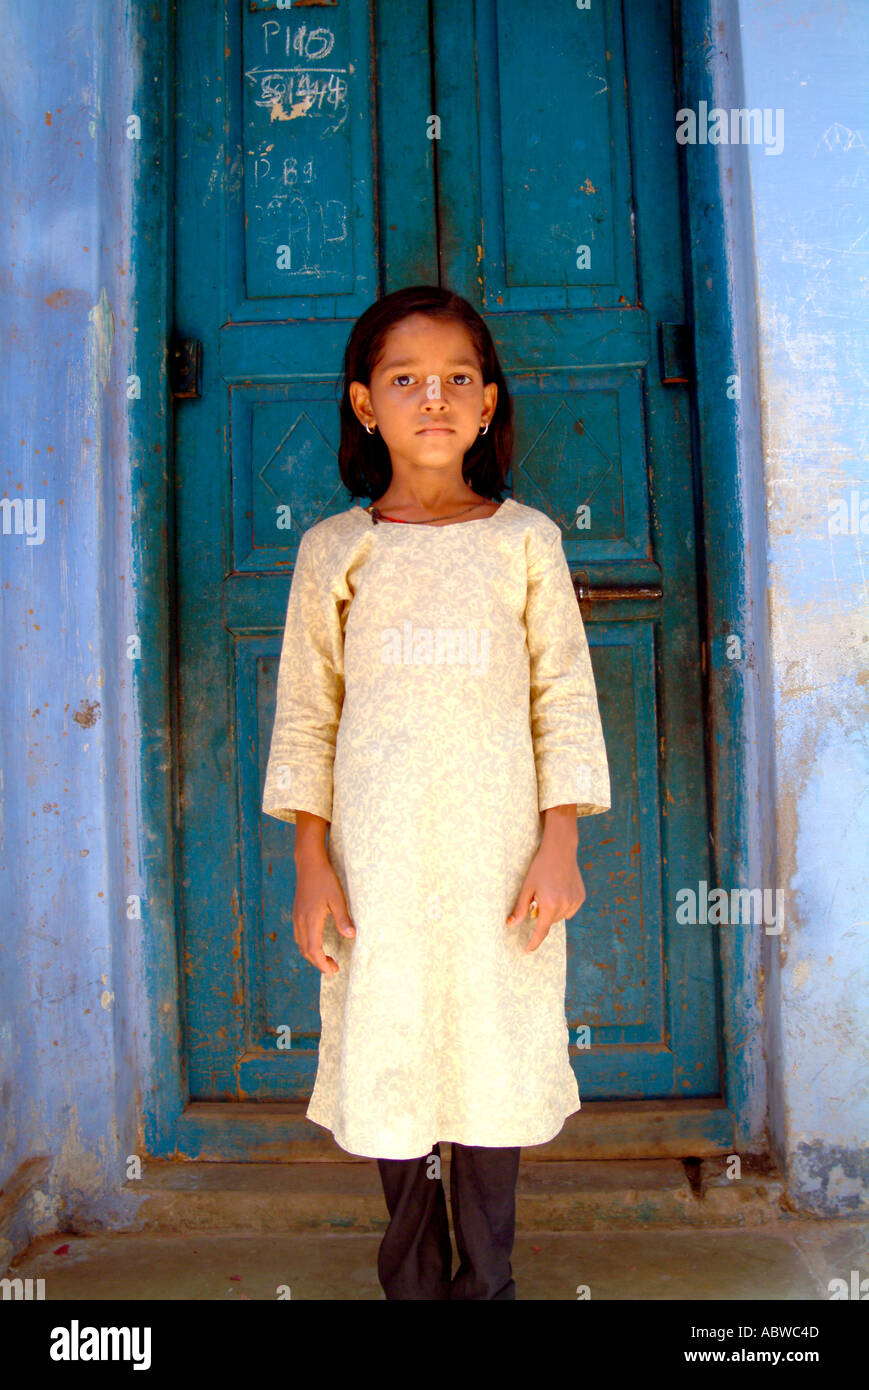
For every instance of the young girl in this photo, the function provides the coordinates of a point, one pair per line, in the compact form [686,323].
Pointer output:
[437,712]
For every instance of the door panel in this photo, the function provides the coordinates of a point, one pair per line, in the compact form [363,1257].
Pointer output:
[553,132]
[277,252]
[564,120]
[301,175]
[307,184]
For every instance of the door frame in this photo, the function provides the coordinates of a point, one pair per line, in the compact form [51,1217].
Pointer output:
[728,463]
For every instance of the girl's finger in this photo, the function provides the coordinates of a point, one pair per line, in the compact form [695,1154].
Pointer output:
[315,954]
[324,963]
[523,904]
[342,919]
[537,935]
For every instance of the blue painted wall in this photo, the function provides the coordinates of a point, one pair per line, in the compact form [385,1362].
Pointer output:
[811,227]
[75,1051]
[70,1001]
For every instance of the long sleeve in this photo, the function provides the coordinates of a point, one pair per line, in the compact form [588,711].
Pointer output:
[310,694]
[566,730]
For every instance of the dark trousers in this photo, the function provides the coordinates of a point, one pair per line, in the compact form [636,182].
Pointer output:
[415,1255]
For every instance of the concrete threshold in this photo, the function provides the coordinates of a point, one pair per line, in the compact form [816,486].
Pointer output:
[785,1261]
[619,1230]
[550,1195]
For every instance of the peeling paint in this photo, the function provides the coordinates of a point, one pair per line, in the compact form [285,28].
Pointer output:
[103,331]
[836,1180]
[87,714]
[278,112]
[811,227]
[802,973]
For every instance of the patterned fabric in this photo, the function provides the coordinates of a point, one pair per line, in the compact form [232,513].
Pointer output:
[435,694]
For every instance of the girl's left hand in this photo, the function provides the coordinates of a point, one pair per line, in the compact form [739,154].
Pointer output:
[554,880]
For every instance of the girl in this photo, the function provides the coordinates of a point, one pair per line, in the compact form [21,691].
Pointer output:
[436,711]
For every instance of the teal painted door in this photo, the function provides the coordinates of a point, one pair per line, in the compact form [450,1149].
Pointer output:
[307,183]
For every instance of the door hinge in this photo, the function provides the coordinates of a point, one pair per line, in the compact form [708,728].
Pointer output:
[185,367]
[675,353]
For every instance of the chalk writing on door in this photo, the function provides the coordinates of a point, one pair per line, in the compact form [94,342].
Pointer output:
[298,176]
[308,88]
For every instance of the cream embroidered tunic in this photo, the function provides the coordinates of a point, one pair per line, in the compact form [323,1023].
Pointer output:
[434,696]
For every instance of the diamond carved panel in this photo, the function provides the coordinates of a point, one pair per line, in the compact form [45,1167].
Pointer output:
[578,457]
[284,475]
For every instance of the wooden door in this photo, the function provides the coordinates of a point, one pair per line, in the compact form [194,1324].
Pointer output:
[311,178]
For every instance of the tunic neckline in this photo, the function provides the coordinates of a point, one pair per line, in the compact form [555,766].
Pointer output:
[453,525]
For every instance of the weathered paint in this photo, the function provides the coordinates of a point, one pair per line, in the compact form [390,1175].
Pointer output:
[811,217]
[73,1007]
[730,487]
[580,346]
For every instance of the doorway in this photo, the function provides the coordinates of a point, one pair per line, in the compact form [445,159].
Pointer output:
[525,159]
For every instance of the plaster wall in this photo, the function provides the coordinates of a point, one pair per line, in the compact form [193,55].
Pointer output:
[807,64]
[70,993]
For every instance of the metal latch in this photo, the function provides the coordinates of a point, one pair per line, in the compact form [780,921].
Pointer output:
[185,367]
[588,594]
[613,593]
[675,353]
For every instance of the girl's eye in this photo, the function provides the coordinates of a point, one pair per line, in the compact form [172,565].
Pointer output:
[405,376]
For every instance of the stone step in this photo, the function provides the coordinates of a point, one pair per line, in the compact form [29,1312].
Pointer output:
[550,1196]
[280,1132]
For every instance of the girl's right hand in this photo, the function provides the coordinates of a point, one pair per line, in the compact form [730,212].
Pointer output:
[318,892]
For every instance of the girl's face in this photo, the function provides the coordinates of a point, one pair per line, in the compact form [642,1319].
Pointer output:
[426,395]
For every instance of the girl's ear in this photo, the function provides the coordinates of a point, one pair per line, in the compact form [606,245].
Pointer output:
[360,400]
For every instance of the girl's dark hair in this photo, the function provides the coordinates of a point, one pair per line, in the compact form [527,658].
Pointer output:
[363,458]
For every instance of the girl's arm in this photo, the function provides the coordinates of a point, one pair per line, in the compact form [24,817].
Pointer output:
[298,781]
[310,694]
[310,838]
[566,731]
[553,879]
[559,825]
[318,892]
[569,752]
